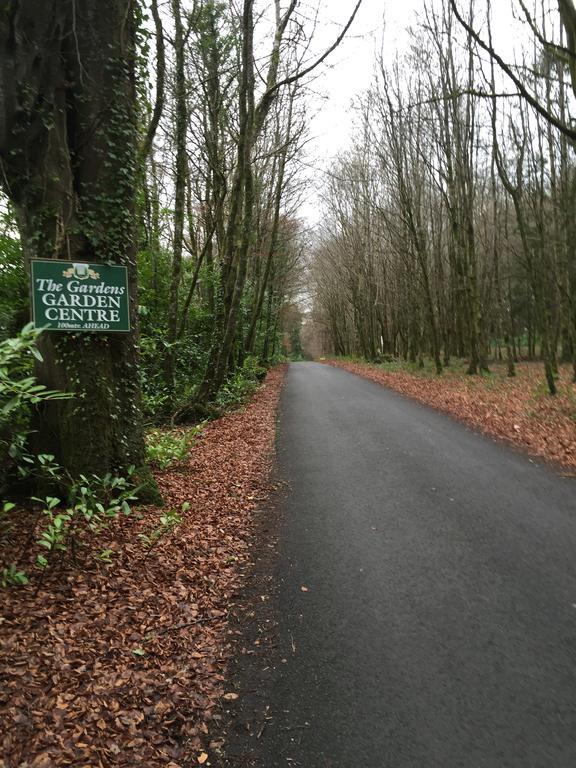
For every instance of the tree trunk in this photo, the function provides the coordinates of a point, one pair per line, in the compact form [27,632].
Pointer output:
[68,148]
[179,194]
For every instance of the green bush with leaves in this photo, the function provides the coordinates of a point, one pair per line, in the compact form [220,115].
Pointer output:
[241,385]
[19,394]
[94,503]
[63,529]
[169,520]
[253,369]
[11,576]
[167,447]
[156,395]
[14,297]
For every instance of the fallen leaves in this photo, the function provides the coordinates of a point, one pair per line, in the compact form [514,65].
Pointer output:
[124,664]
[514,409]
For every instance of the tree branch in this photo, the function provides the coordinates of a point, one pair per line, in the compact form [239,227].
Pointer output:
[568,17]
[160,79]
[534,103]
[272,89]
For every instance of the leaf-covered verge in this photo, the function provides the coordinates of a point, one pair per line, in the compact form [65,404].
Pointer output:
[122,663]
[518,409]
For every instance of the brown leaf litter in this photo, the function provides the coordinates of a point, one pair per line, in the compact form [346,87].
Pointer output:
[124,664]
[517,410]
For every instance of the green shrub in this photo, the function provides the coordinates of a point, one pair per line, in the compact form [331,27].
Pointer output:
[156,395]
[14,298]
[12,577]
[19,394]
[167,447]
[62,529]
[94,503]
[169,520]
[252,368]
[241,384]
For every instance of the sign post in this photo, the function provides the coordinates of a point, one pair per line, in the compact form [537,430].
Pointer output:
[77,296]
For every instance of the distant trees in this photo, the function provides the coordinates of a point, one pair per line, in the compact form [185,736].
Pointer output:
[449,227]
[545,92]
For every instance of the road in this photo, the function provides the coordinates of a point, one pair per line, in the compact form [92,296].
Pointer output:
[437,624]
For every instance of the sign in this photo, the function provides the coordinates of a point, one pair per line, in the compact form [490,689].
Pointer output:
[75,296]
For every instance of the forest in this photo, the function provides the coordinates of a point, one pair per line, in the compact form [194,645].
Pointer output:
[171,236]
[164,143]
[445,233]
[448,228]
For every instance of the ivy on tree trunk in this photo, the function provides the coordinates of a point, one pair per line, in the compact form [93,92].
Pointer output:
[68,161]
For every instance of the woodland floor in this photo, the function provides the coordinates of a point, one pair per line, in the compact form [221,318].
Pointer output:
[124,665]
[518,410]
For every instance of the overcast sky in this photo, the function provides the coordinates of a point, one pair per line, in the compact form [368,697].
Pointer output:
[350,67]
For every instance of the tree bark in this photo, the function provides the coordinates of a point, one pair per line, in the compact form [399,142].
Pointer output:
[179,195]
[68,151]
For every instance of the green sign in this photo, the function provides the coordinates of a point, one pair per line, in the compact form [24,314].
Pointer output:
[75,296]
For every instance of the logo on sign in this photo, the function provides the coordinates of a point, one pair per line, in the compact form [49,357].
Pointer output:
[81,272]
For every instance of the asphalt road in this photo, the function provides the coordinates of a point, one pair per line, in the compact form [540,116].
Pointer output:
[438,629]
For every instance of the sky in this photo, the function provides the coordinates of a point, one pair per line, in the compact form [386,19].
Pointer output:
[350,67]
[348,72]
